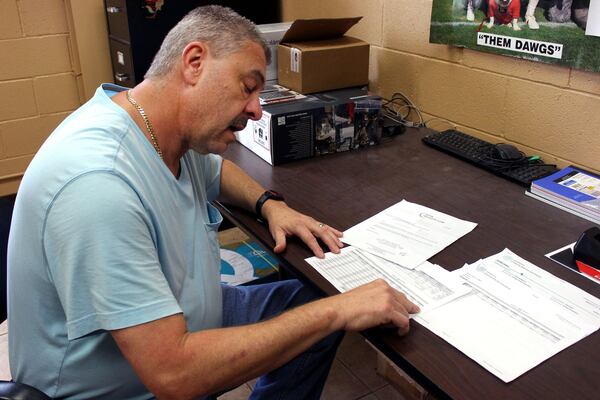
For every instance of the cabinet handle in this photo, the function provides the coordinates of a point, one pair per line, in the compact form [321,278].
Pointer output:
[121,77]
[113,10]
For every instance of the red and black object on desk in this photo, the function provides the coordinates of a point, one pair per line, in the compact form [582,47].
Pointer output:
[587,253]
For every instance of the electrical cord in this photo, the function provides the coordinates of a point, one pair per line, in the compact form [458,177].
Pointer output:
[426,123]
[500,164]
[400,108]
[403,111]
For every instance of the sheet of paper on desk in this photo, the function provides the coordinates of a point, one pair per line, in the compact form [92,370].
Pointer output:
[517,316]
[407,233]
[428,285]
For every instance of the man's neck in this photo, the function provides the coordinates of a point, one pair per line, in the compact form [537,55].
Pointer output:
[161,106]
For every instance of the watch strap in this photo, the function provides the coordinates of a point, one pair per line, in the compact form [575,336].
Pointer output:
[267,195]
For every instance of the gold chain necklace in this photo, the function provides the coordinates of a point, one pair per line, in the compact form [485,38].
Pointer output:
[146,121]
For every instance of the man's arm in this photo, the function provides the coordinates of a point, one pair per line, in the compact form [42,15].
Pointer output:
[176,364]
[243,191]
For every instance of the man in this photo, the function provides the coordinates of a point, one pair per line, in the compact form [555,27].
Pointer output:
[113,261]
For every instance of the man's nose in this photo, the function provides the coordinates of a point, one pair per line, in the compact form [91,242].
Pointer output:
[253,109]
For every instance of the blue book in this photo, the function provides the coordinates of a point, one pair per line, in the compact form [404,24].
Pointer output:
[573,188]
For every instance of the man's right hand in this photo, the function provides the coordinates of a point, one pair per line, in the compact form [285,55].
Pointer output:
[373,304]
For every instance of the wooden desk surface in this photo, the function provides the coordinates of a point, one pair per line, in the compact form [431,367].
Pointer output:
[346,188]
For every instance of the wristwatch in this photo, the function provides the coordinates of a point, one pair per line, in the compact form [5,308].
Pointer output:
[268,195]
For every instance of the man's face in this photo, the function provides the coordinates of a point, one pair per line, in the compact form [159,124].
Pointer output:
[225,97]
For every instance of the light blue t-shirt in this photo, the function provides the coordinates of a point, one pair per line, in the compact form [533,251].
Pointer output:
[103,237]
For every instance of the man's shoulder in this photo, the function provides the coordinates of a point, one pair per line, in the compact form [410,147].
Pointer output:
[87,140]
[100,120]
[75,149]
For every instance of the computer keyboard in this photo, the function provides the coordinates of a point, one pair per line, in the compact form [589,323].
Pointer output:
[481,154]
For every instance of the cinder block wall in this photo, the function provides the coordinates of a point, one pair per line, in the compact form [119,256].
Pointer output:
[38,85]
[53,55]
[547,110]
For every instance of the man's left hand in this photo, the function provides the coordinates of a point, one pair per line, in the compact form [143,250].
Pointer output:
[285,221]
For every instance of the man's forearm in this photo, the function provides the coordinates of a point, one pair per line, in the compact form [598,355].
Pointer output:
[254,350]
[187,365]
[239,188]
[176,364]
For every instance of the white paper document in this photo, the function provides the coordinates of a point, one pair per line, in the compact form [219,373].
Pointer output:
[517,315]
[407,234]
[428,285]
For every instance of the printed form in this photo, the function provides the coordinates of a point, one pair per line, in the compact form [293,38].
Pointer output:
[503,312]
[428,285]
[407,233]
[517,315]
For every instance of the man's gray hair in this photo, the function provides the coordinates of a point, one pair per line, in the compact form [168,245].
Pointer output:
[224,30]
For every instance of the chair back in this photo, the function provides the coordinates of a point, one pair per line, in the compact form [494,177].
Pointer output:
[6,207]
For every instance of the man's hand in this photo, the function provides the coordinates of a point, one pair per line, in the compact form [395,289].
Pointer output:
[241,190]
[285,221]
[373,304]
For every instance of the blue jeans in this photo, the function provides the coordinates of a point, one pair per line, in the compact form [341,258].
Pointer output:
[302,377]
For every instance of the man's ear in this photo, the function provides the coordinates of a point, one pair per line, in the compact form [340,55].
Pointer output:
[194,57]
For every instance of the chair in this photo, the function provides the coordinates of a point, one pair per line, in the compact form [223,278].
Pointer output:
[20,391]
[6,207]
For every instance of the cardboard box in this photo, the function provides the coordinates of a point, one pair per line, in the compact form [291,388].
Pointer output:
[284,133]
[368,121]
[351,117]
[315,125]
[325,131]
[272,34]
[315,56]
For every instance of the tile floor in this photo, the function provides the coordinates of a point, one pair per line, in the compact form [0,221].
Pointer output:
[353,375]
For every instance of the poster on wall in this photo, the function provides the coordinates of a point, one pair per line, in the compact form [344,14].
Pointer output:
[564,32]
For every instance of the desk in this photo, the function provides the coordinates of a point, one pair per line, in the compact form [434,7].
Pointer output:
[346,188]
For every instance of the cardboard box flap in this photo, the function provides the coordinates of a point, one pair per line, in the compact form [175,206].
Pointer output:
[312,29]
[327,44]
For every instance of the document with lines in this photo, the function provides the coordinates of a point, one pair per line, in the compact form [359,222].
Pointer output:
[407,233]
[428,285]
[516,316]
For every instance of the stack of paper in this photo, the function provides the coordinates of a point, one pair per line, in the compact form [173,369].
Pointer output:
[428,286]
[570,189]
[394,245]
[503,312]
[516,316]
